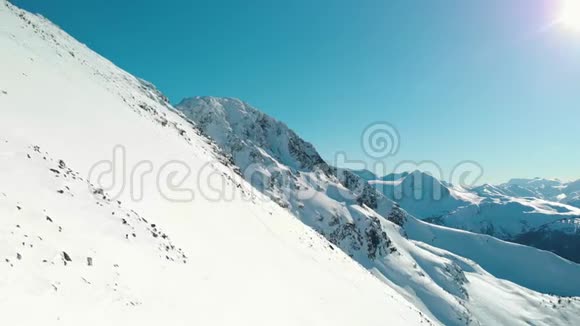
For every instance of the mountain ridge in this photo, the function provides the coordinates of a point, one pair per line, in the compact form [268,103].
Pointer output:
[364,206]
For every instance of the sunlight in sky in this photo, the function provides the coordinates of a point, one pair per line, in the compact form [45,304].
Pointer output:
[570,14]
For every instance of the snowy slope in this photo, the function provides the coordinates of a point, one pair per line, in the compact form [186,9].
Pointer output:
[341,206]
[520,264]
[248,262]
[65,244]
[490,296]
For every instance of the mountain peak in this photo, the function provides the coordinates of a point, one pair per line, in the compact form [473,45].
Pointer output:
[214,101]
[234,124]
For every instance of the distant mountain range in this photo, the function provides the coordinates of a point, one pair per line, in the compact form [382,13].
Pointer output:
[534,212]
[551,190]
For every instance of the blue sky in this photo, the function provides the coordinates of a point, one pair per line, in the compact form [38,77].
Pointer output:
[494,81]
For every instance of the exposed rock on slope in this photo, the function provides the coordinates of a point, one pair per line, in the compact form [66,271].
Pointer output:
[344,208]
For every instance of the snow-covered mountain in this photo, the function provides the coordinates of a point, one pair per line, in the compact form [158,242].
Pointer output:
[423,195]
[551,190]
[509,211]
[122,247]
[289,170]
[454,276]
[73,253]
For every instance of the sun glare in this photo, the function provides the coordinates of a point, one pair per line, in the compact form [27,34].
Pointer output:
[570,14]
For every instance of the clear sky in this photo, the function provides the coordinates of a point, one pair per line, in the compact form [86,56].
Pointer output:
[494,81]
